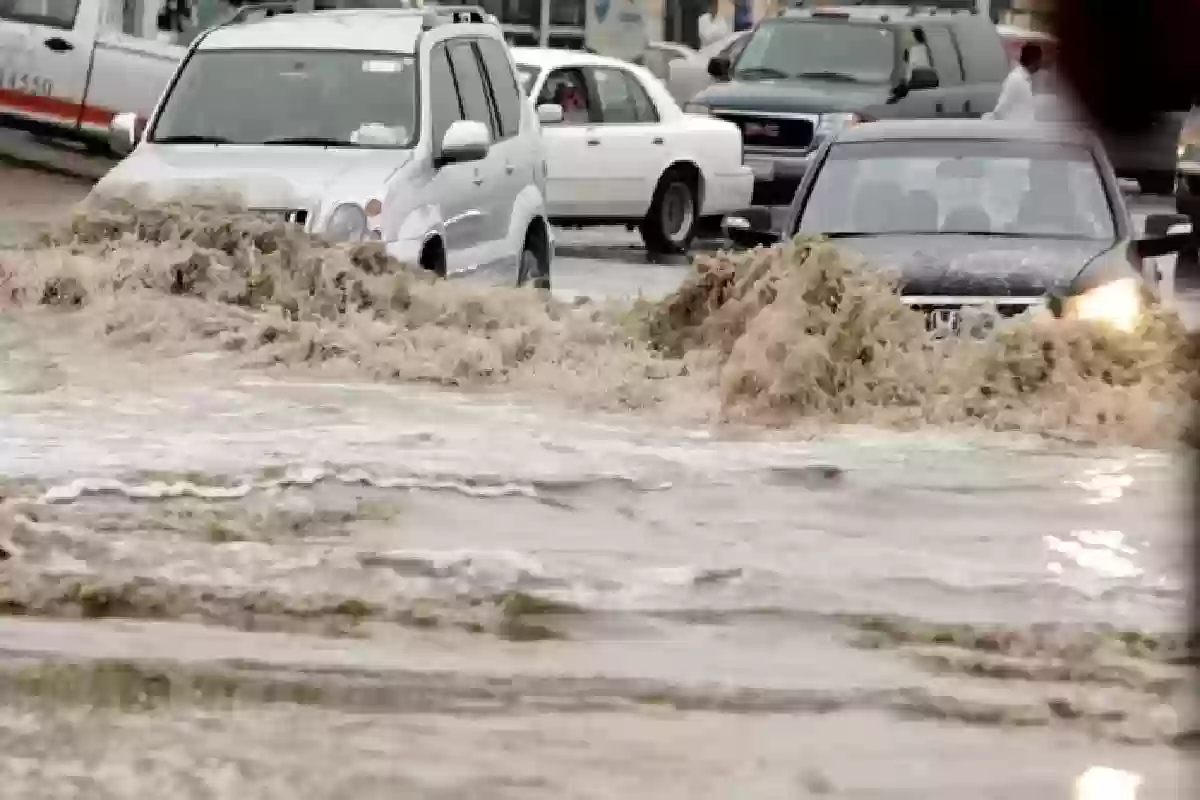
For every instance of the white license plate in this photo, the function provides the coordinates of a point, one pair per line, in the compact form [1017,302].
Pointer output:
[763,170]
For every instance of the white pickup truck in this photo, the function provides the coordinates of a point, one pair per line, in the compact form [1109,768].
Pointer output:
[67,66]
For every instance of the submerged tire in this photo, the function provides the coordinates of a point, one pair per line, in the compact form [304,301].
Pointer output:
[670,223]
[534,269]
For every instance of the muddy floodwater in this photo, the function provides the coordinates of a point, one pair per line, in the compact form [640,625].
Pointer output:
[354,538]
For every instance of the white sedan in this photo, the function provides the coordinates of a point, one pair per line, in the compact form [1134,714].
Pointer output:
[619,151]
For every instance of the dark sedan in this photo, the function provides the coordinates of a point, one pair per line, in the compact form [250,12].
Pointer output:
[974,213]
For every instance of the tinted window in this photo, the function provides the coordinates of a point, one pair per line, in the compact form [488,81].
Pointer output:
[53,13]
[1001,188]
[469,80]
[831,51]
[314,97]
[504,86]
[443,96]
[944,55]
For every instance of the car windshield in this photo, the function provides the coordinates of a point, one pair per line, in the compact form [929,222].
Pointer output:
[1019,189]
[307,97]
[819,50]
[528,76]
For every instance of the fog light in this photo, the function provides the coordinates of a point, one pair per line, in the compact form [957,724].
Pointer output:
[1119,304]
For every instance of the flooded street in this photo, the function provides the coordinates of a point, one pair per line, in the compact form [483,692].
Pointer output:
[232,571]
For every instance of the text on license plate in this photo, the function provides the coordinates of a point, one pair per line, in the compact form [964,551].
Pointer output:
[763,170]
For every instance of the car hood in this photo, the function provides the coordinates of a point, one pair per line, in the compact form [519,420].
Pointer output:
[795,96]
[263,177]
[980,266]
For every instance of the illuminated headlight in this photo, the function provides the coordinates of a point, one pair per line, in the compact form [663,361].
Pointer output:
[697,108]
[1119,304]
[832,123]
[348,223]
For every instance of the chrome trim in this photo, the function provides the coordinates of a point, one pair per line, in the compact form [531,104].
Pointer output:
[951,300]
[813,118]
[780,152]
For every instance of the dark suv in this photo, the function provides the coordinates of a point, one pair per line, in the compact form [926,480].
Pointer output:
[805,74]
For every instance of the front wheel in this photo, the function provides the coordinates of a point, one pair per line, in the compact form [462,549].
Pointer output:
[670,224]
[534,269]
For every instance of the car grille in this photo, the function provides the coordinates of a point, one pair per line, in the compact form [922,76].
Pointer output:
[760,131]
[299,216]
[944,315]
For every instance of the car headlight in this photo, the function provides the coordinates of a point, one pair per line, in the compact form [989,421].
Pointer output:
[697,108]
[1119,303]
[347,223]
[832,123]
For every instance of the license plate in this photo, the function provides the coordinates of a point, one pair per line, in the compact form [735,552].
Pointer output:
[763,170]
[943,321]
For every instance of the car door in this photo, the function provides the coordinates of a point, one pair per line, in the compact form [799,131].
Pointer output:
[516,156]
[566,143]
[45,50]
[627,145]
[452,189]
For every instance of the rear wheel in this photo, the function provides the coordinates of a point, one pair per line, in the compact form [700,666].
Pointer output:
[670,224]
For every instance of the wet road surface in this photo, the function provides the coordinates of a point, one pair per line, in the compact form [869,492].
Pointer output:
[222,583]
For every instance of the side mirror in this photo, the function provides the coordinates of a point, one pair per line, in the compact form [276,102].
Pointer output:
[465,140]
[550,113]
[719,67]
[750,227]
[922,78]
[124,132]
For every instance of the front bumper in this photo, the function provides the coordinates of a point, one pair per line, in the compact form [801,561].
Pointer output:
[728,192]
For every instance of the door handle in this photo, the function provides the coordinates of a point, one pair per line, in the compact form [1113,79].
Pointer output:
[593,142]
[657,140]
[477,180]
[59,44]
[509,169]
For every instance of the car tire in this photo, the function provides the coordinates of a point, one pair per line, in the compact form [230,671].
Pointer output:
[1160,183]
[670,224]
[534,269]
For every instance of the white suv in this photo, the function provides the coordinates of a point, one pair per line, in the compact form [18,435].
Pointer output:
[405,126]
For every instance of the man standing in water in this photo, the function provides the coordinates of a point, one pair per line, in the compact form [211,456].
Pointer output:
[712,26]
[1016,95]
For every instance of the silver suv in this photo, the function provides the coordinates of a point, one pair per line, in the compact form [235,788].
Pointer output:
[404,126]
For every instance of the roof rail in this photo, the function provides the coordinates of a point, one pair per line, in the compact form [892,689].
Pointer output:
[924,6]
[435,13]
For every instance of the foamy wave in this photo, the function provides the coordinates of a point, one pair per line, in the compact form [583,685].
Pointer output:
[795,334]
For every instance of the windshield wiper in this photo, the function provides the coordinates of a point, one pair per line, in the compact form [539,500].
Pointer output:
[191,138]
[830,75]
[760,72]
[313,141]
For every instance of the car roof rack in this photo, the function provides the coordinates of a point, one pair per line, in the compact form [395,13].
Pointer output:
[435,13]
[921,6]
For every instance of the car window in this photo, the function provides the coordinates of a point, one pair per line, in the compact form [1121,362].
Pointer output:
[469,80]
[982,51]
[445,107]
[503,84]
[302,97]
[616,96]
[567,88]
[51,13]
[830,51]
[643,105]
[1036,189]
[944,55]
